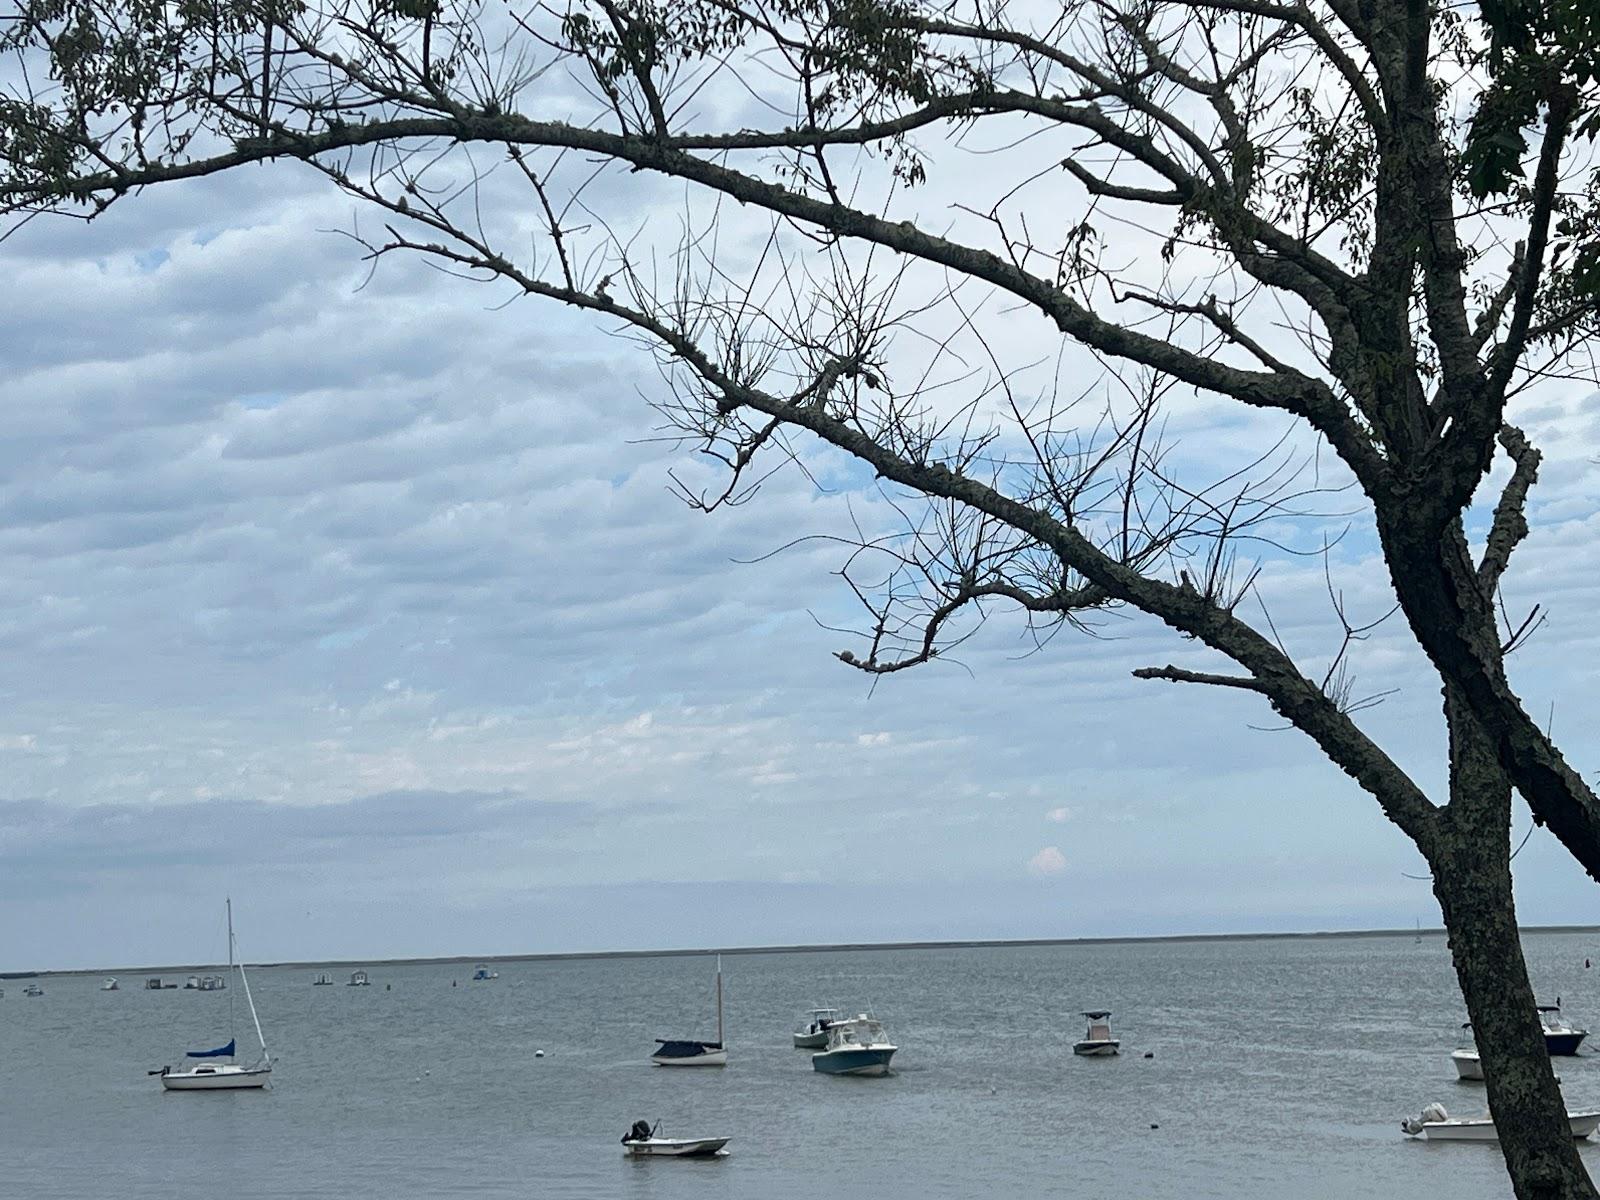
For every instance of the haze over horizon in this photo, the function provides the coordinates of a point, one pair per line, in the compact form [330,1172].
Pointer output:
[371,607]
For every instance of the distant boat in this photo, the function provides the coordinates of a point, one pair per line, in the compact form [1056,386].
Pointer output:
[1560,1038]
[675,1053]
[110,985]
[481,972]
[1097,1042]
[192,984]
[643,1141]
[33,989]
[212,983]
[813,1034]
[359,979]
[856,1046]
[1418,938]
[1435,1124]
[322,980]
[209,1076]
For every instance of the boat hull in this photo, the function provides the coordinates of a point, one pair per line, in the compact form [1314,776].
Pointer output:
[1097,1049]
[1468,1065]
[222,1081]
[1564,1044]
[1482,1129]
[675,1147]
[873,1061]
[711,1058]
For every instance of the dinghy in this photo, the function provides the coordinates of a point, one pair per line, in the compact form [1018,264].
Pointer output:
[644,1141]
[1437,1125]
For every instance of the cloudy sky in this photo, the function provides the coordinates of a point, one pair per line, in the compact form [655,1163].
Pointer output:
[370,606]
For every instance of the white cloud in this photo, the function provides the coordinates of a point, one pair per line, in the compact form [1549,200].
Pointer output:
[1059,815]
[880,738]
[1049,861]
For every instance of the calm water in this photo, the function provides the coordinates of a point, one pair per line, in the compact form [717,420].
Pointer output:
[1280,1068]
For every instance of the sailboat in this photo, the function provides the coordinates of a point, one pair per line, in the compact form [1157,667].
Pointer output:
[671,1053]
[209,1076]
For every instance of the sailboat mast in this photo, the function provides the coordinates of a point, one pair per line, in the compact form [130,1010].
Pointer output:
[245,979]
[720,1042]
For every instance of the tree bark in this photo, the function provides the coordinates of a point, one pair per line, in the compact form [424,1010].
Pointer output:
[1471,860]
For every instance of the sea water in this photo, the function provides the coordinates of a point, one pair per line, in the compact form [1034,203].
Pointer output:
[1275,1068]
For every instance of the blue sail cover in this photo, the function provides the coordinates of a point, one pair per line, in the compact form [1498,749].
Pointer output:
[219,1052]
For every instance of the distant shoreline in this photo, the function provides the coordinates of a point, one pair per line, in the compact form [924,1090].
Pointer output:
[818,948]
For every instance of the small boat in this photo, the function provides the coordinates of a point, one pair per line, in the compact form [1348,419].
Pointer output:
[212,983]
[1468,1065]
[856,1046]
[644,1141]
[110,985]
[1560,1038]
[33,989]
[1435,1124]
[192,984]
[322,980]
[1097,1042]
[359,979]
[813,1034]
[686,1053]
[481,972]
[209,1076]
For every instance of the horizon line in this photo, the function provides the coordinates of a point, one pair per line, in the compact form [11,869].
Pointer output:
[801,948]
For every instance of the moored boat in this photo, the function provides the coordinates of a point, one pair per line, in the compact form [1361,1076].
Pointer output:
[1097,1041]
[686,1052]
[322,980]
[33,989]
[856,1046]
[1560,1038]
[1435,1124]
[110,985]
[207,1075]
[359,979]
[482,972]
[813,1032]
[1468,1065]
[644,1141]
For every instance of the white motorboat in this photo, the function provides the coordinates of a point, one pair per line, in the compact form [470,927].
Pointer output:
[671,1052]
[1097,1041]
[1435,1124]
[322,980]
[210,1076]
[481,973]
[33,989]
[813,1033]
[109,985]
[857,1046]
[644,1141]
[359,979]
[192,984]
[1468,1065]
[212,983]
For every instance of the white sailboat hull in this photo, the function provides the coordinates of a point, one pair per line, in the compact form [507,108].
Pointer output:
[217,1080]
[711,1058]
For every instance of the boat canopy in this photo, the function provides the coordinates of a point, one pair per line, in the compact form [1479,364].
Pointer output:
[857,1031]
[219,1052]
[683,1049]
[1099,1014]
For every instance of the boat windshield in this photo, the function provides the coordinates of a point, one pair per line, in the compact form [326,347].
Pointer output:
[859,1032]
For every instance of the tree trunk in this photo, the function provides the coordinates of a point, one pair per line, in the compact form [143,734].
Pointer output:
[1471,862]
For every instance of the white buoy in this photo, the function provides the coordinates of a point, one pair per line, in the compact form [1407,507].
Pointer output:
[538,1053]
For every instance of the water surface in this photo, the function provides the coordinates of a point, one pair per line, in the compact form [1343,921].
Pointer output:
[1280,1068]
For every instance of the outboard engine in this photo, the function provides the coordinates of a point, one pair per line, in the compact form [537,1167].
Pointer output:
[639,1133]
[1434,1112]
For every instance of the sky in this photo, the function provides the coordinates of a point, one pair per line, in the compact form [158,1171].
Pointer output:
[364,600]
